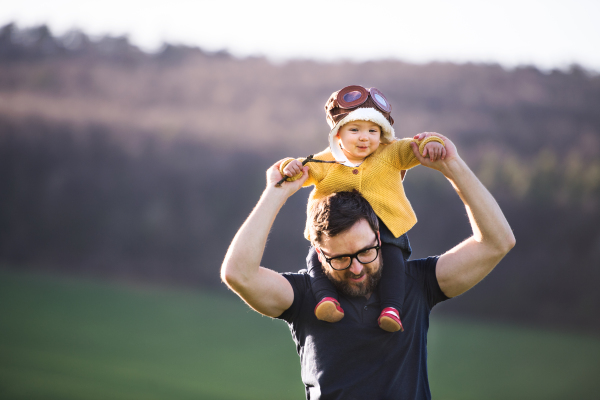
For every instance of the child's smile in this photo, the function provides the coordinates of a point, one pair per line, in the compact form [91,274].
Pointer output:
[359,139]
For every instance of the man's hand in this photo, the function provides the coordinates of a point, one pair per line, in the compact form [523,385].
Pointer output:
[441,164]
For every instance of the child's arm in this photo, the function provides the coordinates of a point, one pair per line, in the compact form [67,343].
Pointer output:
[292,168]
[403,156]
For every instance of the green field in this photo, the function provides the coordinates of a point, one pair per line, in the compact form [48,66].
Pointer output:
[74,339]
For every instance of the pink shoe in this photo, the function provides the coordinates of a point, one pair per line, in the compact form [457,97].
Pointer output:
[329,310]
[389,320]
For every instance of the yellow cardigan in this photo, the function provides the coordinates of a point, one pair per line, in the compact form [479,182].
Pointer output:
[378,179]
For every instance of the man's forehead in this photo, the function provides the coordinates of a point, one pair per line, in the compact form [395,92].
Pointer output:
[359,236]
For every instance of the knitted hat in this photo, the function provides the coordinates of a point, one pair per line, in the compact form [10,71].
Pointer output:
[367,111]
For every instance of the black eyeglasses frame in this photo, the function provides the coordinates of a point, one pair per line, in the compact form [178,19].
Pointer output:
[353,256]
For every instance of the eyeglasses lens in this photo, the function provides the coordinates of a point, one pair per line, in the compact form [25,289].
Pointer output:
[367,256]
[364,257]
[380,100]
[352,96]
[340,263]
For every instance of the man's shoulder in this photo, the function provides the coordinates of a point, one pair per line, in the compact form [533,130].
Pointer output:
[422,265]
[423,272]
[300,282]
[298,279]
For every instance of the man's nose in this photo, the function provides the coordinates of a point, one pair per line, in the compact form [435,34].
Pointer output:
[356,267]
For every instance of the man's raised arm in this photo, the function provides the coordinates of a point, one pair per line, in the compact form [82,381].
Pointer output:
[462,267]
[263,289]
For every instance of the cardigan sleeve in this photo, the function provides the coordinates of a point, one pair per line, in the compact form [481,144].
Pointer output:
[316,171]
[401,155]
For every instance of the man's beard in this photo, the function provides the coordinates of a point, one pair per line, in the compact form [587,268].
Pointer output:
[350,289]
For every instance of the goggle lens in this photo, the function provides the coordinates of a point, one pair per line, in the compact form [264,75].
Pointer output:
[379,99]
[352,96]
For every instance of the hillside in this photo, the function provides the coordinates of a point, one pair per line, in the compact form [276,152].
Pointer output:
[136,166]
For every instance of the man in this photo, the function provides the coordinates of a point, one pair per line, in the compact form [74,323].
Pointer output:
[353,358]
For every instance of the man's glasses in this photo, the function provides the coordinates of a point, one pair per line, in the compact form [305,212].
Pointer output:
[344,261]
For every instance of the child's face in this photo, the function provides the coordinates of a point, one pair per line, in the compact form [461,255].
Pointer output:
[359,139]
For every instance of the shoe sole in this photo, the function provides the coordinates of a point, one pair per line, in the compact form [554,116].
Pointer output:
[327,311]
[388,324]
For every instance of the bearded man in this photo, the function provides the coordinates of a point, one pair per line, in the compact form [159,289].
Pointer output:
[353,358]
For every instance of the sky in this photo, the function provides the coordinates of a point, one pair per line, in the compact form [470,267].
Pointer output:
[548,34]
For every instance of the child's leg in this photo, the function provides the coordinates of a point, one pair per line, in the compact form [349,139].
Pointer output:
[328,308]
[391,287]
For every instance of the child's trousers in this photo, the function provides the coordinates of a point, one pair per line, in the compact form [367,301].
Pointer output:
[394,252]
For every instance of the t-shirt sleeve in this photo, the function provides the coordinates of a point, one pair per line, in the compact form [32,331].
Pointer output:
[300,283]
[424,271]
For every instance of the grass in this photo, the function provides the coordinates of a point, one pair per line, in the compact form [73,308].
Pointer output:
[66,339]
[469,360]
[74,339]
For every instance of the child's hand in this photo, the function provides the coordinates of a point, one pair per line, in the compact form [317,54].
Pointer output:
[293,168]
[435,150]
[289,188]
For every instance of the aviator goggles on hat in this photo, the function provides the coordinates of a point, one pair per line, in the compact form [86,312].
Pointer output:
[353,96]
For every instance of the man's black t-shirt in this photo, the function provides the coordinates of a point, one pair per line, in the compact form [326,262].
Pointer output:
[354,358]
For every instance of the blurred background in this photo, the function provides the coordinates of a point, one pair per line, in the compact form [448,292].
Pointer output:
[134,138]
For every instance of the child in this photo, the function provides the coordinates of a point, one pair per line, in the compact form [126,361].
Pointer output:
[371,160]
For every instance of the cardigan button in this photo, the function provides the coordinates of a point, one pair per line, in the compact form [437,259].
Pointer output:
[355,172]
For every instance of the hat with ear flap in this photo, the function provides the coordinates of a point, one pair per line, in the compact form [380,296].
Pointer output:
[339,112]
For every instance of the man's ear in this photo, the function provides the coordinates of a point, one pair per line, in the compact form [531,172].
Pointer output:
[379,238]
[319,254]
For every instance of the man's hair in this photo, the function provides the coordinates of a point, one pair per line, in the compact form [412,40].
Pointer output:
[338,212]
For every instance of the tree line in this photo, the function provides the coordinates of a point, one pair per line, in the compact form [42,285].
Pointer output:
[144,170]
